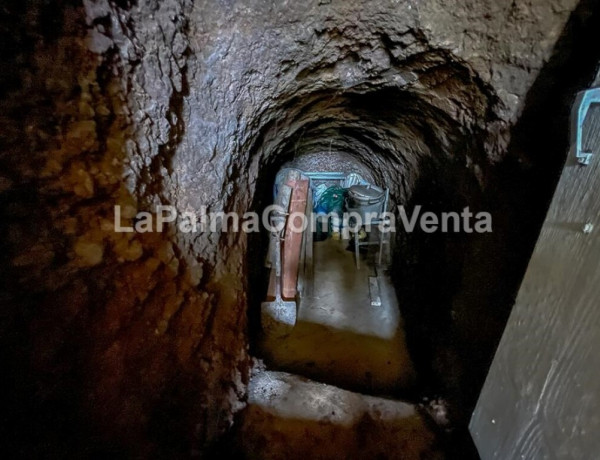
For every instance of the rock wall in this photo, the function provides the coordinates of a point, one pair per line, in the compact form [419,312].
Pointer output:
[127,342]
[116,343]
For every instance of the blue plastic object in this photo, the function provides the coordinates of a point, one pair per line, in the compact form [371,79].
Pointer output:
[587,98]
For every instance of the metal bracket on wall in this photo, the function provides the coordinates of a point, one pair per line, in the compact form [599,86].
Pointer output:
[586,99]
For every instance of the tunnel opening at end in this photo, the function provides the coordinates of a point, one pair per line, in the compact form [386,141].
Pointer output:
[424,158]
[334,282]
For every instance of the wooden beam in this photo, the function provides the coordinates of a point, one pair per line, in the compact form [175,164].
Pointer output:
[293,239]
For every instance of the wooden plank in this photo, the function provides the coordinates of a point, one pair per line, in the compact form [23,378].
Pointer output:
[293,239]
[308,256]
[541,398]
[305,266]
[282,200]
[300,284]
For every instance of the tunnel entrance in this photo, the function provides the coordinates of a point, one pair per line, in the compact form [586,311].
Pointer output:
[335,279]
[342,325]
[407,349]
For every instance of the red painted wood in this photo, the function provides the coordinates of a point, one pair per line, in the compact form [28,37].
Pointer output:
[293,239]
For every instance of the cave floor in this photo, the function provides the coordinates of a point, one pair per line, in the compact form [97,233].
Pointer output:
[339,337]
[291,417]
[311,401]
[327,388]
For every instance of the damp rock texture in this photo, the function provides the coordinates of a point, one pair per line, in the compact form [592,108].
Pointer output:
[121,342]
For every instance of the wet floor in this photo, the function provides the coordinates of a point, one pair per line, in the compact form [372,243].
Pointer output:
[340,337]
[348,342]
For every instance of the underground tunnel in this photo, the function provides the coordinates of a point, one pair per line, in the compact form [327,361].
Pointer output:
[152,341]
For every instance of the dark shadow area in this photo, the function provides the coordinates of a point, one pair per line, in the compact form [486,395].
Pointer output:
[539,147]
